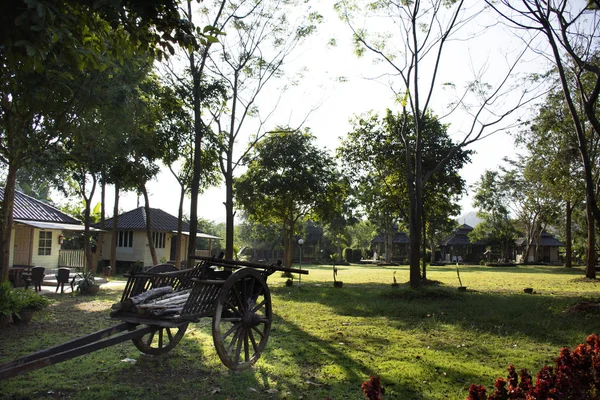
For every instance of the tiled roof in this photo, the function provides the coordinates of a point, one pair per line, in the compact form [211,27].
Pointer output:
[546,240]
[136,220]
[460,237]
[398,237]
[29,209]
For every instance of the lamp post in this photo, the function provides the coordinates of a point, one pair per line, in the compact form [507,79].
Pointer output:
[300,243]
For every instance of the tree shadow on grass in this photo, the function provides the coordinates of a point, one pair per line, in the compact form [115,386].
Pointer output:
[539,317]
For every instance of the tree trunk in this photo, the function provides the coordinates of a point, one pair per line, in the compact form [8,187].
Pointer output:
[424,248]
[198,133]
[87,248]
[387,245]
[115,231]
[229,214]
[149,225]
[590,270]
[179,235]
[6,219]
[568,239]
[287,248]
[100,238]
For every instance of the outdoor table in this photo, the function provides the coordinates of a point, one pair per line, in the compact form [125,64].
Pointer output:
[18,275]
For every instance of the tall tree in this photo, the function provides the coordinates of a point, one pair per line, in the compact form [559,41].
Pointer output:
[496,226]
[43,42]
[374,157]
[260,39]
[196,55]
[415,56]
[569,39]
[287,180]
[554,159]
[529,199]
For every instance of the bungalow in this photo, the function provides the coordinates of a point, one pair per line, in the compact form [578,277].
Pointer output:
[132,242]
[459,247]
[398,245]
[546,250]
[37,233]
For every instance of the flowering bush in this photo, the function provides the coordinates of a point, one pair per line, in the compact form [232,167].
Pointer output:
[576,376]
[372,389]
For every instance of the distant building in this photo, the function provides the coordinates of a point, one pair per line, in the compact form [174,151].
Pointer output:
[132,240]
[545,250]
[397,245]
[458,247]
[38,232]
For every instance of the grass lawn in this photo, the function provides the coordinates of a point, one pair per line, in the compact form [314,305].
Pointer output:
[430,343]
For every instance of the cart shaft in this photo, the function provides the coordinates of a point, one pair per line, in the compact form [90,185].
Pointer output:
[75,348]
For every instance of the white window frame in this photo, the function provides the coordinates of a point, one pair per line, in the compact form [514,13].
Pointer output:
[45,243]
[124,239]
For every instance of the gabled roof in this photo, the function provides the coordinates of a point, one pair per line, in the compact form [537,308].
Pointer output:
[398,237]
[136,220]
[27,208]
[460,237]
[547,240]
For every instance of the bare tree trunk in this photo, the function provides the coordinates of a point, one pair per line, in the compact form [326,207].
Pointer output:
[179,229]
[115,231]
[99,242]
[590,270]
[149,225]
[6,219]
[568,239]
[424,249]
[229,213]
[87,248]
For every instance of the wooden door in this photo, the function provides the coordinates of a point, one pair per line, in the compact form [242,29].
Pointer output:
[23,244]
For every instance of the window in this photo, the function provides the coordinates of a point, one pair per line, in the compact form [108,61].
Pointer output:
[159,239]
[45,244]
[125,239]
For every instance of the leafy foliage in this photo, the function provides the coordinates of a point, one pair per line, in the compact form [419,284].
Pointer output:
[287,179]
[496,226]
[576,375]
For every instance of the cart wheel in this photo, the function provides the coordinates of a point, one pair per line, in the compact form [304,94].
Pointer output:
[242,319]
[160,340]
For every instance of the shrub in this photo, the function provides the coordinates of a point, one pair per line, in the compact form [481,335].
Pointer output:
[576,375]
[8,300]
[356,255]
[29,300]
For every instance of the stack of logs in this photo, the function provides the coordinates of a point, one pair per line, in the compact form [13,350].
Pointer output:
[162,301]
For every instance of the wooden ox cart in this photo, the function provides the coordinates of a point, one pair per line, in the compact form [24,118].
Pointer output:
[157,306]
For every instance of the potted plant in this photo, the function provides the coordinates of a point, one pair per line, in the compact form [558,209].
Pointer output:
[86,283]
[395,284]
[461,288]
[8,303]
[336,283]
[28,303]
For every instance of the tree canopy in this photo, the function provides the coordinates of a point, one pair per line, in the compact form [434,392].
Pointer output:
[288,178]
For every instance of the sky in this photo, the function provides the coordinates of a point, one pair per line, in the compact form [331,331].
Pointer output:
[328,102]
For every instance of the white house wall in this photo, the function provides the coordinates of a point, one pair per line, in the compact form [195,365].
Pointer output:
[49,261]
[140,252]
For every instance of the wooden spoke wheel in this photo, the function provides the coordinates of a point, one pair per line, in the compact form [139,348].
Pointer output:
[242,320]
[160,340]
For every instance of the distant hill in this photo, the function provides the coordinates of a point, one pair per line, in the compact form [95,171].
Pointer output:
[469,218]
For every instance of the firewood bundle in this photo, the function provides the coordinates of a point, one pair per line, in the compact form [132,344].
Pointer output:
[162,301]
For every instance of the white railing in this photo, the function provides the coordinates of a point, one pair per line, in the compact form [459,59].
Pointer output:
[71,258]
[203,253]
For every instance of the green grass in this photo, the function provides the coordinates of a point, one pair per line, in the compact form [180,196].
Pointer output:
[430,343]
